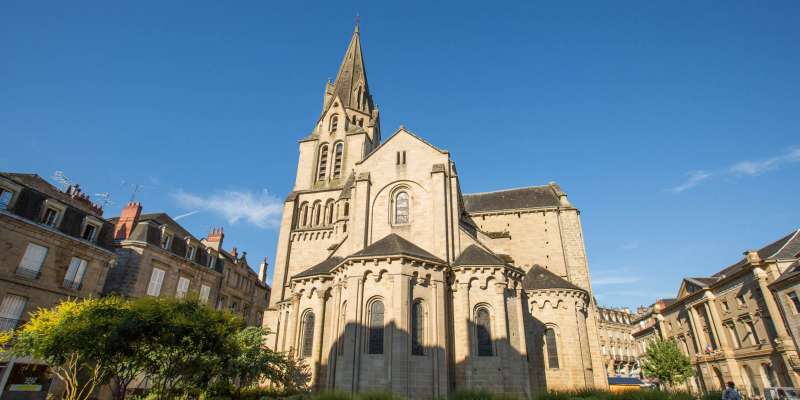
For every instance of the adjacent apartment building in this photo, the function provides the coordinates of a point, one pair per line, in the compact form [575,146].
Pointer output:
[620,354]
[55,245]
[156,256]
[740,323]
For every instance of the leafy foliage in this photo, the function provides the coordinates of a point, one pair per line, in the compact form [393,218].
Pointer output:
[665,362]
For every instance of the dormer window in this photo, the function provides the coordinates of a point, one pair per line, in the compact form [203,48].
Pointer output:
[53,212]
[191,251]
[166,240]
[211,259]
[334,123]
[91,227]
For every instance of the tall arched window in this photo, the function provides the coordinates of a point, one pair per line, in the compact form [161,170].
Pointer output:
[317,212]
[338,152]
[323,162]
[308,335]
[552,347]
[334,123]
[346,209]
[401,208]
[417,329]
[483,329]
[329,212]
[375,328]
[303,220]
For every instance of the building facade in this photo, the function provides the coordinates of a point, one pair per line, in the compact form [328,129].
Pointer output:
[387,277]
[156,256]
[731,326]
[55,245]
[617,345]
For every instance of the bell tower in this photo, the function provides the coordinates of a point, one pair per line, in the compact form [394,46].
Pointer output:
[347,129]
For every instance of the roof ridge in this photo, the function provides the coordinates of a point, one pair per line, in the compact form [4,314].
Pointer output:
[789,240]
[506,190]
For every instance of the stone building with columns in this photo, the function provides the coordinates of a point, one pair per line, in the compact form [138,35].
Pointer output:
[730,323]
[388,277]
[617,345]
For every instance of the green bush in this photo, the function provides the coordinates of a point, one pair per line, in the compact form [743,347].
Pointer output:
[591,394]
[480,395]
[713,395]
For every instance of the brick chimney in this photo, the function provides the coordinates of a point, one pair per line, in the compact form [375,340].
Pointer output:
[215,238]
[234,252]
[127,220]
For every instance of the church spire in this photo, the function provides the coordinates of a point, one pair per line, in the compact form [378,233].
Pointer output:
[351,81]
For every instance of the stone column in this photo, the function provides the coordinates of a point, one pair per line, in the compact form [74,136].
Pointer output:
[699,336]
[461,335]
[713,319]
[319,320]
[400,337]
[500,338]
[336,335]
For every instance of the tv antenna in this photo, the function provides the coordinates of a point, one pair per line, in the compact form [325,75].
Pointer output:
[59,177]
[105,199]
[134,187]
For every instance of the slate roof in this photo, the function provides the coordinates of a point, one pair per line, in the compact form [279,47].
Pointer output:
[322,268]
[474,255]
[791,272]
[703,281]
[541,278]
[786,247]
[528,197]
[37,183]
[394,244]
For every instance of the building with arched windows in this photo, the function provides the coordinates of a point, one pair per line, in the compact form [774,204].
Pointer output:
[388,277]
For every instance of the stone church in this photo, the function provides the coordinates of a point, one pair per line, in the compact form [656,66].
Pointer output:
[387,277]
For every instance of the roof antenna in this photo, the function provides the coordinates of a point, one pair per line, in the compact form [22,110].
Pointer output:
[135,188]
[59,177]
[105,199]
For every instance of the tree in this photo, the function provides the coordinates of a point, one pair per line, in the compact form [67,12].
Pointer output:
[249,362]
[75,339]
[664,361]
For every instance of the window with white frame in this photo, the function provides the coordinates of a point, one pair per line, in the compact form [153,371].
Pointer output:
[166,240]
[11,311]
[156,280]
[90,229]
[205,292]
[183,287]
[74,276]
[191,251]
[211,259]
[51,216]
[32,261]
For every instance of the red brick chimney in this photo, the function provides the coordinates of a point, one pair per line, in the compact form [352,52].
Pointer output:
[215,237]
[127,220]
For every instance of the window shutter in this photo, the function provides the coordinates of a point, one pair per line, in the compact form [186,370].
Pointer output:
[156,279]
[75,271]
[34,257]
[183,287]
[12,307]
[205,291]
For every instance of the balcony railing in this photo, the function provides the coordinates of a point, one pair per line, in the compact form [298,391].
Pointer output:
[28,273]
[9,324]
[72,285]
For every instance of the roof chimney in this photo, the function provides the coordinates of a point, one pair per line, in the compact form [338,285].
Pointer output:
[752,257]
[128,219]
[215,238]
[262,270]
[234,252]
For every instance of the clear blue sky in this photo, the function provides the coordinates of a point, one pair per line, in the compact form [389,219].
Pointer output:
[674,126]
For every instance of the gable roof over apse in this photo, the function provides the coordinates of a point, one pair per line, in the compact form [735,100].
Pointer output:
[539,277]
[322,268]
[474,255]
[393,245]
[512,199]
[399,130]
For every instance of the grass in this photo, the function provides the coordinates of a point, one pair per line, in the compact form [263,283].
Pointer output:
[485,395]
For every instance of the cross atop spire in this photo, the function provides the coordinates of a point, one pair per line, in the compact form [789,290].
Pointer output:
[358,24]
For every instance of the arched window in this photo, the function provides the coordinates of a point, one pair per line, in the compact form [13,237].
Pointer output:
[308,335]
[317,212]
[552,347]
[323,162]
[483,329]
[417,329]
[329,212]
[338,151]
[401,208]
[346,209]
[359,97]
[334,123]
[303,220]
[375,328]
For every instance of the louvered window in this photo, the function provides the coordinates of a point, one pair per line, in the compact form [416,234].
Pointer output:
[323,163]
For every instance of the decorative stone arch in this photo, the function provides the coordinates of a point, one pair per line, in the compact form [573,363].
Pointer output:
[484,330]
[333,123]
[316,210]
[328,216]
[390,189]
[375,322]
[302,216]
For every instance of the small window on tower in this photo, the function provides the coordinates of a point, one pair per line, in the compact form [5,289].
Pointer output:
[323,162]
[334,123]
